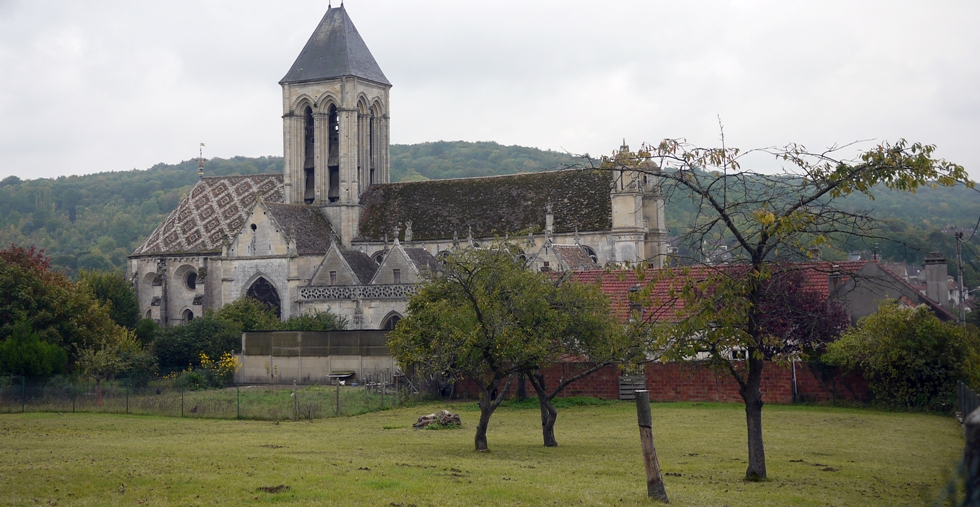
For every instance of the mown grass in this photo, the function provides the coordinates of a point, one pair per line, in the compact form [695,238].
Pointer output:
[816,456]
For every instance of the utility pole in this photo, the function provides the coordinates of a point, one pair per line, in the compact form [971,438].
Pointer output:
[959,277]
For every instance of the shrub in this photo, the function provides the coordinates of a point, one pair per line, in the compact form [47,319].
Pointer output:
[316,321]
[909,357]
[209,374]
[182,345]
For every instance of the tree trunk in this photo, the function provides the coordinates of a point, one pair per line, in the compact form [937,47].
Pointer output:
[752,396]
[548,417]
[488,403]
[548,412]
[486,410]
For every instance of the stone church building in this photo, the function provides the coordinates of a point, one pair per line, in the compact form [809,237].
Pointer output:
[333,232]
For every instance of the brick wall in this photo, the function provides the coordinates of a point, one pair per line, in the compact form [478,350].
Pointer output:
[693,382]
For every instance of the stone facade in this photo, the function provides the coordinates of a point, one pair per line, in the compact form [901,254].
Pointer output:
[333,233]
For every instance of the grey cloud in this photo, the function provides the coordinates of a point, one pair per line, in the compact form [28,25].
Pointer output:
[114,85]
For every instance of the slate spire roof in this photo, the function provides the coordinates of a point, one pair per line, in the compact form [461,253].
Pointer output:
[334,50]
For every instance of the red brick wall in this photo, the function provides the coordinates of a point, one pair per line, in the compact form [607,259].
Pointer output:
[693,382]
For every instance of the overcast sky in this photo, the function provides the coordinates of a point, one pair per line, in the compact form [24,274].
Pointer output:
[119,84]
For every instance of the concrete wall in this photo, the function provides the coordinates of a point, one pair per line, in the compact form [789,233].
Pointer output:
[309,357]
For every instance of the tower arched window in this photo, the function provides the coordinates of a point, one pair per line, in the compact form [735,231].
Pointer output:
[333,158]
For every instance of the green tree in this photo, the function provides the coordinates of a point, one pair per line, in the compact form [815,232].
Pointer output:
[578,324]
[109,356]
[23,353]
[113,290]
[60,312]
[766,219]
[486,318]
[249,314]
[909,357]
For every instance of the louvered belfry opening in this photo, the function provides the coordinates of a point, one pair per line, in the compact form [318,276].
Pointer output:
[309,159]
[333,158]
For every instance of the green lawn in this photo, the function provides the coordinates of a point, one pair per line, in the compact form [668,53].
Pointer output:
[816,456]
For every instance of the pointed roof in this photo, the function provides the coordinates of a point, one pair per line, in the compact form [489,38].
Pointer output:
[335,49]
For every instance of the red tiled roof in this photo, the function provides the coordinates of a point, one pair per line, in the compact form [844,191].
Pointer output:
[617,284]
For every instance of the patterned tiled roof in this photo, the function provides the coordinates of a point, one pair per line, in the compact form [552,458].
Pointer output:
[215,209]
[495,205]
[303,223]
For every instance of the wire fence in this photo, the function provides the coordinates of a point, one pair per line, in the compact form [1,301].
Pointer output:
[172,398]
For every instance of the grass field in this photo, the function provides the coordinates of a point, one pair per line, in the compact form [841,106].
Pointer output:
[816,456]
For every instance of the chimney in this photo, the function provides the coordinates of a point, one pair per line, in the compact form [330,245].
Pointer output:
[937,281]
[834,280]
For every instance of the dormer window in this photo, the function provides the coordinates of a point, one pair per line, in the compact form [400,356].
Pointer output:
[396,275]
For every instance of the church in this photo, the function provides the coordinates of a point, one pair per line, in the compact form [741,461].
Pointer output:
[332,232]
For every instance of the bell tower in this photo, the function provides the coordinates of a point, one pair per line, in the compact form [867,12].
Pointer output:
[335,123]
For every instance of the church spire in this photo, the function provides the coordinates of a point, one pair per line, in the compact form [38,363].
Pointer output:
[335,50]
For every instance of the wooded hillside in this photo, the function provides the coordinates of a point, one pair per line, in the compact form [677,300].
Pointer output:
[95,221]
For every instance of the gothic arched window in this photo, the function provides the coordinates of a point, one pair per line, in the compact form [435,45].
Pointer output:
[267,294]
[389,323]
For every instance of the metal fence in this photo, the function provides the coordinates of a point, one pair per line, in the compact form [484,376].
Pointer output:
[377,391]
[966,399]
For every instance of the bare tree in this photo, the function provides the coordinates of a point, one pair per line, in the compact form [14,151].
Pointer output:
[722,315]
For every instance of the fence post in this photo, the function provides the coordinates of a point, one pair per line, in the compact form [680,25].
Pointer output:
[655,481]
[127,396]
[382,391]
[74,394]
[338,397]
[971,457]
[23,394]
[295,402]
[238,404]
[182,400]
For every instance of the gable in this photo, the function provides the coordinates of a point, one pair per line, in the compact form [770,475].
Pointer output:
[213,212]
[396,259]
[333,261]
[259,236]
[496,205]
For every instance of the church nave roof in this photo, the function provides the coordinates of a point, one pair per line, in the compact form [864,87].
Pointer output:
[213,211]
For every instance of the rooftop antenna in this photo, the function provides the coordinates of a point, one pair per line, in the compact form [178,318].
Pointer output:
[200,161]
